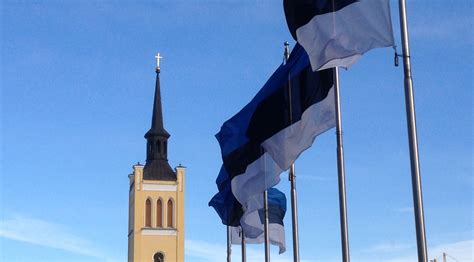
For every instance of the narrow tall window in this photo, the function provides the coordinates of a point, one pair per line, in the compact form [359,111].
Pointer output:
[170,213]
[148,213]
[159,213]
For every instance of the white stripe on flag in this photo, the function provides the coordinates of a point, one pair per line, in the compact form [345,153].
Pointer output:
[260,175]
[286,145]
[277,236]
[340,38]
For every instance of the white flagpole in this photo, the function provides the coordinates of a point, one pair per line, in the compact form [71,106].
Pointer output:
[292,177]
[341,172]
[265,227]
[229,245]
[244,252]
[412,138]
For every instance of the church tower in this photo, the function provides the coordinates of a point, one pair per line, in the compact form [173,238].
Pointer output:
[156,197]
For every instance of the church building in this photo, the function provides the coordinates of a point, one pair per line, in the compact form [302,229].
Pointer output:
[156,197]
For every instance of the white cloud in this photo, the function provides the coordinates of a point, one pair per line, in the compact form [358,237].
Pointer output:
[197,251]
[400,252]
[387,247]
[210,252]
[461,250]
[47,234]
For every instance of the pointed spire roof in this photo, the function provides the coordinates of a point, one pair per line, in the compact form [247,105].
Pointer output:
[157,128]
[157,166]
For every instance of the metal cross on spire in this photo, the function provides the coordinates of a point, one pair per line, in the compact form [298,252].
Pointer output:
[158,57]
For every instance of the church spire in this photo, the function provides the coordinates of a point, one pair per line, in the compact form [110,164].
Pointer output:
[157,127]
[157,166]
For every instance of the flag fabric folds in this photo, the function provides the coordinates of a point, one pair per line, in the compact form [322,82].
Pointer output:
[265,138]
[254,233]
[338,32]
[227,207]
[231,213]
[261,141]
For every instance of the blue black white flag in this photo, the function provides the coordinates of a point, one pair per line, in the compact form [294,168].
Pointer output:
[338,32]
[261,141]
[254,223]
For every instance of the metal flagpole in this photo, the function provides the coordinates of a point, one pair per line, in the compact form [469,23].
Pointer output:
[341,172]
[412,138]
[229,245]
[292,177]
[244,252]
[265,227]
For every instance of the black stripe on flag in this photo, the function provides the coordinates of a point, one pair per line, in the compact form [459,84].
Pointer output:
[272,115]
[300,12]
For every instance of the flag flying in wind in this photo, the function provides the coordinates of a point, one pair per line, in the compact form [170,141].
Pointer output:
[231,213]
[261,141]
[338,32]
[254,233]
[227,207]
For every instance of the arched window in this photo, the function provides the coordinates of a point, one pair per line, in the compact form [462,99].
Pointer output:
[148,213]
[170,213]
[158,257]
[159,213]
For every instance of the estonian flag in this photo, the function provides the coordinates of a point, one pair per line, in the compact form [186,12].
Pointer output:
[231,213]
[260,141]
[254,233]
[338,32]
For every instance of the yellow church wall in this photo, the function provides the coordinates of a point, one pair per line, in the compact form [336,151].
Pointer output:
[144,242]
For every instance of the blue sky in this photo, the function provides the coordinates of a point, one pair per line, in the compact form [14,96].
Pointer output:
[77,83]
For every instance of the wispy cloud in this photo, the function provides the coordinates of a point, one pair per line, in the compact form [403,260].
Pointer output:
[47,234]
[400,252]
[198,251]
[387,248]
[210,252]
[462,250]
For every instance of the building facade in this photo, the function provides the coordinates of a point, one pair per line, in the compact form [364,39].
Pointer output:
[156,198]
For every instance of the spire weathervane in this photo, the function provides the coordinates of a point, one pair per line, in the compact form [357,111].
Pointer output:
[158,57]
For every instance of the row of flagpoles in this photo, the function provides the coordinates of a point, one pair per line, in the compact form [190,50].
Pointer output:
[254,155]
